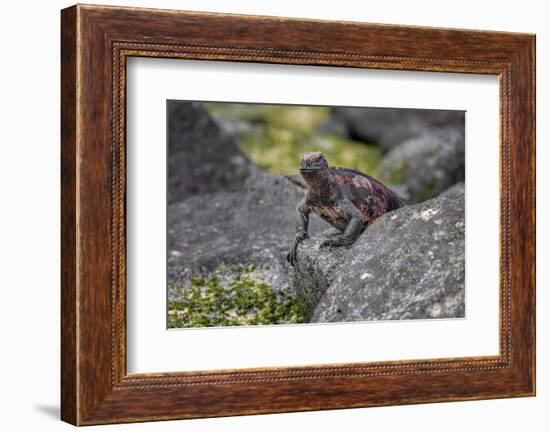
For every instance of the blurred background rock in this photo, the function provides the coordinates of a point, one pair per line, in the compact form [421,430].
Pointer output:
[233,185]
[419,152]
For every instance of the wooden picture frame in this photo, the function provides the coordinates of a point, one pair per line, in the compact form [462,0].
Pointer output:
[95,43]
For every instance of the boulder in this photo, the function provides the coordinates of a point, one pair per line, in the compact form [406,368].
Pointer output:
[391,127]
[202,157]
[409,264]
[424,166]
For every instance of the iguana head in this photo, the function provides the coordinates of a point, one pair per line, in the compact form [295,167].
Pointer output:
[313,167]
[313,162]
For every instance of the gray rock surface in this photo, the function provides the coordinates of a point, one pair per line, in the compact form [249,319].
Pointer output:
[202,157]
[316,270]
[424,166]
[391,127]
[409,264]
[223,210]
[254,225]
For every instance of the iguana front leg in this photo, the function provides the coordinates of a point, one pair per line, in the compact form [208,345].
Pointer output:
[353,229]
[302,223]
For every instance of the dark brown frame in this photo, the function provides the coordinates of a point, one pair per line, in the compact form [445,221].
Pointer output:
[95,43]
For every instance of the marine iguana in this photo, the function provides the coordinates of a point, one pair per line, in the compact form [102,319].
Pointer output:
[346,198]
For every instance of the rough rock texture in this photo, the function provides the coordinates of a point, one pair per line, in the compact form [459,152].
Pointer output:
[254,225]
[426,165]
[316,270]
[391,127]
[224,213]
[223,210]
[202,158]
[409,264]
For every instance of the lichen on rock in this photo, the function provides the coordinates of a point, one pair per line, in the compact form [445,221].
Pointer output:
[409,264]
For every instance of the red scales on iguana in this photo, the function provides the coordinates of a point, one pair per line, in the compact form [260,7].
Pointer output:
[345,198]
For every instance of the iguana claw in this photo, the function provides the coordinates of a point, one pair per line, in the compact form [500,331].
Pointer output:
[292,255]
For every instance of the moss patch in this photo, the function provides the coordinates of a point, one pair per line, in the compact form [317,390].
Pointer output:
[278,150]
[275,137]
[231,296]
[397,172]
[304,118]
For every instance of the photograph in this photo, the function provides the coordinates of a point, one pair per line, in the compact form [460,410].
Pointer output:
[297,214]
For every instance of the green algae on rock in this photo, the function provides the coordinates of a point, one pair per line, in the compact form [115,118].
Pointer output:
[232,295]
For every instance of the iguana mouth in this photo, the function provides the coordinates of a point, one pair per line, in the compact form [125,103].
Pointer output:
[311,169]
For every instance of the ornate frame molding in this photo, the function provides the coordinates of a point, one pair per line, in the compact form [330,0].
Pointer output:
[96,41]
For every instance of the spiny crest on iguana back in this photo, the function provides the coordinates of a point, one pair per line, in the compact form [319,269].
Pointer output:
[359,187]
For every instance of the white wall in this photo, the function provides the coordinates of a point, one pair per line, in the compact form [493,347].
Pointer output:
[29,220]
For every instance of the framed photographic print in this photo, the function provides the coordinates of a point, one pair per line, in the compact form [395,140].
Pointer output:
[264,215]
